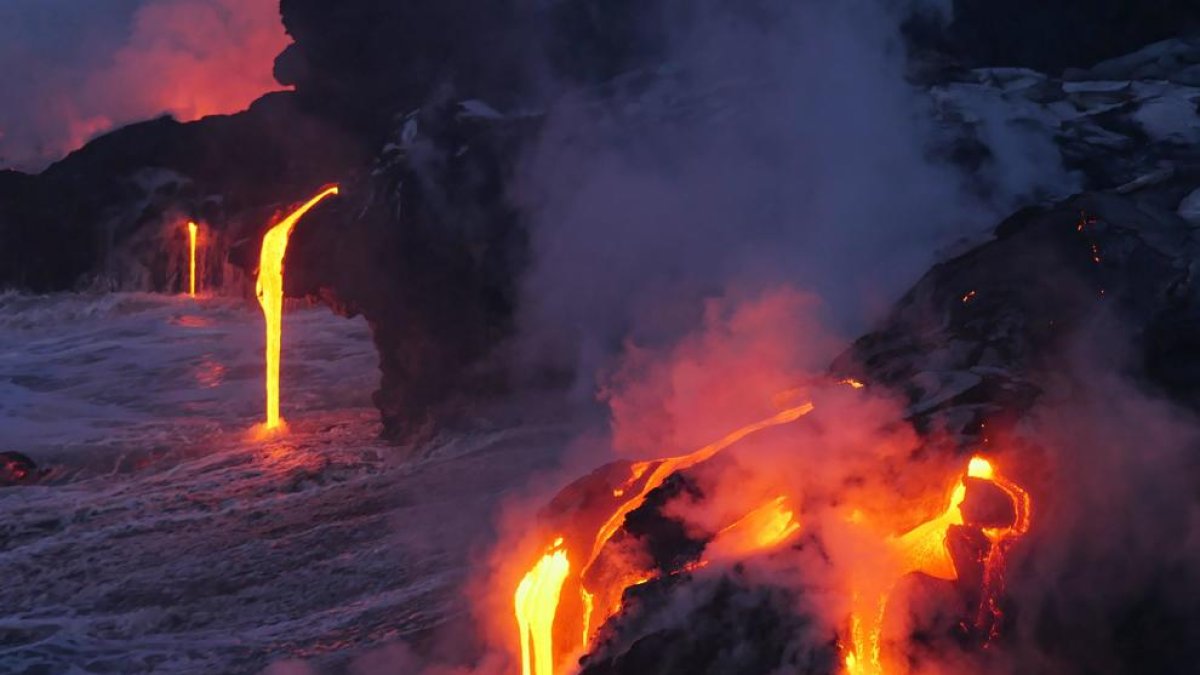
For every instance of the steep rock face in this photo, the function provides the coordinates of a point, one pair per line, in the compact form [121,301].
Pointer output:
[428,249]
[366,60]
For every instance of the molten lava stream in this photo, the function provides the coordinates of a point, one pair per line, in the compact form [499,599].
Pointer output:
[537,598]
[999,539]
[536,603]
[191,258]
[923,549]
[762,529]
[269,287]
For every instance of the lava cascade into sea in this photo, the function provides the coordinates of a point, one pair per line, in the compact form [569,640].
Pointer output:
[269,288]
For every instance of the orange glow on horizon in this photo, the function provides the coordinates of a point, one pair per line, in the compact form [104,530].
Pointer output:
[269,289]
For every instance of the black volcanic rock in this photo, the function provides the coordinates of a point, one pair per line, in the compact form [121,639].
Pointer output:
[17,469]
[366,60]
[967,340]
[1050,36]
[428,249]
[726,625]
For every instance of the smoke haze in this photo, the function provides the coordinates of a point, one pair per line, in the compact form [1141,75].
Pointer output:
[781,144]
[72,70]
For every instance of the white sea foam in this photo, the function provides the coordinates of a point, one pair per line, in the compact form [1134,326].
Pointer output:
[167,539]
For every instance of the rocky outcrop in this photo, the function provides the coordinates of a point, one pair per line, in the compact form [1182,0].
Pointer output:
[428,249]
[970,339]
[362,62]
[736,627]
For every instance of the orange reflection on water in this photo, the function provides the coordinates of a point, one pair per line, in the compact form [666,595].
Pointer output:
[209,372]
[192,321]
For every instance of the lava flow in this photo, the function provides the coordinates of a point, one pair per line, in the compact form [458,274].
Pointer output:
[536,602]
[191,258]
[762,529]
[539,594]
[269,288]
[923,550]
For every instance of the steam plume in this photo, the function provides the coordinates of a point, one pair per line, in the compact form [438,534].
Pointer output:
[74,70]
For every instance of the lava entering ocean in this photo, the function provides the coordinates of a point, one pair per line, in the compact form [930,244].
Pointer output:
[269,288]
[568,594]
[191,226]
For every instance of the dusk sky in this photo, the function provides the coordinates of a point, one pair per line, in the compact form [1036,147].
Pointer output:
[76,69]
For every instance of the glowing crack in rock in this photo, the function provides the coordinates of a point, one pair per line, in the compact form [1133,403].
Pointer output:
[269,288]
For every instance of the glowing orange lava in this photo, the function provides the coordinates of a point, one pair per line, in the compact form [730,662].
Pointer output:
[538,595]
[536,603]
[560,601]
[191,258]
[762,529]
[923,550]
[269,288]
[661,470]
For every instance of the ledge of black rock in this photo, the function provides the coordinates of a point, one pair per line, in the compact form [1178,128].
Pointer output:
[975,335]
[725,625]
[362,60]
[427,248]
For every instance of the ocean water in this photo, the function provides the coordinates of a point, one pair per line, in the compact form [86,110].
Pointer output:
[166,538]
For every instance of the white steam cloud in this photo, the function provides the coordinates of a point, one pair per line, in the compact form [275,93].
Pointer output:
[781,145]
